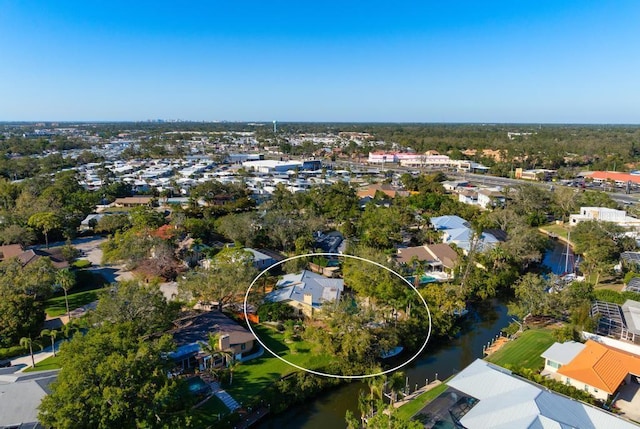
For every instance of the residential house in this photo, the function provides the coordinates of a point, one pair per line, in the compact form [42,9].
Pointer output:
[9,251]
[306,291]
[20,396]
[633,285]
[134,201]
[458,231]
[596,368]
[385,188]
[331,242]
[618,321]
[89,221]
[439,258]
[488,198]
[486,396]
[27,256]
[441,223]
[453,185]
[191,331]
[261,260]
[468,196]
[619,217]
[630,259]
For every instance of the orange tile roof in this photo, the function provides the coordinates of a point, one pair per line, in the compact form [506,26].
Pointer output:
[615,176]
[601,366]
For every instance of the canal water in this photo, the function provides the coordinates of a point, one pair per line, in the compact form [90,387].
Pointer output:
[482,324]
[556,258]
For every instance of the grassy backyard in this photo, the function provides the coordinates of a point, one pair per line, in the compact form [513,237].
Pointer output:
[409,409]
[561,230]
[251,377]
[525,351]
[207,414]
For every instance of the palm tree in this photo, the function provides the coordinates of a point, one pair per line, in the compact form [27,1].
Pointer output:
[212,347]
[396,384]
[66,279]
[232,365]
[53,334]
[68,330]
[28,342]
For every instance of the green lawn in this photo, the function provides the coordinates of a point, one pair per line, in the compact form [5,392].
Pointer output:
[559,230]
[409,409]
[56,307]
[87,287]
[525,351]
[207,413]
[251,377]
[52,362]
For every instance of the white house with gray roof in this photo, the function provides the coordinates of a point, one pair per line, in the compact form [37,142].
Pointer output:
[306,291]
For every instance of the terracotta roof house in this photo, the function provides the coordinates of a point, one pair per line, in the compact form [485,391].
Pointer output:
[306,291]
[595,368]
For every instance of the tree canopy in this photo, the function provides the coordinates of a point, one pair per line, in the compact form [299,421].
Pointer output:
[111,378]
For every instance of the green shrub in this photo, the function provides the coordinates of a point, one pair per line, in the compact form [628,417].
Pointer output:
[609,295]
[81,263]
[9,352]
[275,311]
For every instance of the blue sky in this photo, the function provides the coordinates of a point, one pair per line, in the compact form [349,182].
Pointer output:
[403,61]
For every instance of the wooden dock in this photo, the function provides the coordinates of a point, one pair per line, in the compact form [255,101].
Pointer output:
[496,345]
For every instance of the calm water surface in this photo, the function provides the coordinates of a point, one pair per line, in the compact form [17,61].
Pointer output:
[328,411]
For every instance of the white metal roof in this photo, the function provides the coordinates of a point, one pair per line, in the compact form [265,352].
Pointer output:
[506,401]
[563,353]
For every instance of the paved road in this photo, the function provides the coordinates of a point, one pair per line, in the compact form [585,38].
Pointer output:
[91,251]
[484,179]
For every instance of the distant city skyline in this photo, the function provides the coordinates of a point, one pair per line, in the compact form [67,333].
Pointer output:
[467,62]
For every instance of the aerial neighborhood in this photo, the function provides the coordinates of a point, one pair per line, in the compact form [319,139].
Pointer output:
[179,274]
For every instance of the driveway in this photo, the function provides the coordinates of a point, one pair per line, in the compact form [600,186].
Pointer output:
[629,401]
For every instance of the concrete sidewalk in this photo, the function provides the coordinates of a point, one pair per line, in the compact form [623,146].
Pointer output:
[38,356]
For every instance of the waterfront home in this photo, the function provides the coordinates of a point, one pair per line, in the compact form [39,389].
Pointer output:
[596,368]
[193,330]
[306,291]
[486,396]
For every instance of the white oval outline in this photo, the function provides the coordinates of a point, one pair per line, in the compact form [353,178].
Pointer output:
[311,371]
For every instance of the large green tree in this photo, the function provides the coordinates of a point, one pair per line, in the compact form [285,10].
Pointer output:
[143,306]
[227,277]
[601,244]
[45,222]
[111,378]
[23,292]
